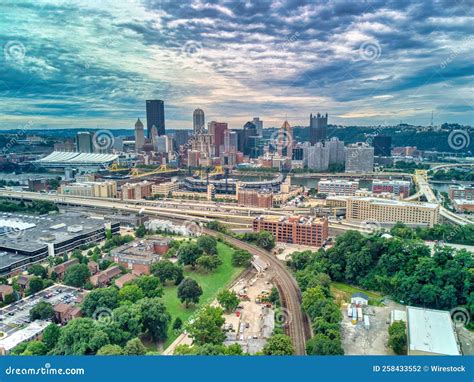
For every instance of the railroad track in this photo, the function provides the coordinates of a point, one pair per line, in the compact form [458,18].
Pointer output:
[297,322]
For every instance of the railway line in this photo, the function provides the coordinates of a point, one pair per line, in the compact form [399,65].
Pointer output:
[297,322]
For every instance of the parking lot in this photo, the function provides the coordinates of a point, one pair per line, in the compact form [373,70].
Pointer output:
[17,315]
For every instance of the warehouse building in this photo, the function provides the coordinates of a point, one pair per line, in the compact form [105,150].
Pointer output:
[431,332]
[26,239]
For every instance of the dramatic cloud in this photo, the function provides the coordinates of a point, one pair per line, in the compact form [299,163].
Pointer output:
[93,63]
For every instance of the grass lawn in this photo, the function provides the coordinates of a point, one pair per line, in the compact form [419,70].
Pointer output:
[210,283]
[345,291]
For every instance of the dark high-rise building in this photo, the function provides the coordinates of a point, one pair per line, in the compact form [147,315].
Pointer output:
[298,153]
[382,145]
[249,130]
[198,121]
[84,142]
[318,125]
[155,117]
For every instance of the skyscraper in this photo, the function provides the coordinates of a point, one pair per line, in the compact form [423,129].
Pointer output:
[317,157]
[318,125]
[359,157]
[217,130]
[198,121]
[382,145]
[155,116]
[258,124]
[285,140]
[84,142]
[139,135]
[336,151]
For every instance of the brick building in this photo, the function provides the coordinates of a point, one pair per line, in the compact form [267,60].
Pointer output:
[294,230]
[255,198]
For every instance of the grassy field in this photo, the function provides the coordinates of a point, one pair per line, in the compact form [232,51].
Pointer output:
[210,283]
[342,291]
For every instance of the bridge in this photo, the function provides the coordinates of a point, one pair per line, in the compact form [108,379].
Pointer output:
[424,189]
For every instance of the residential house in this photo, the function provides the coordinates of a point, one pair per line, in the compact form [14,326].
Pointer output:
[5,290]
[61,269]
[126,278]
[65,313]
[103,278]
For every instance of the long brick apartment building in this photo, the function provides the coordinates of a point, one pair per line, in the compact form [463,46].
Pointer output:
[294,230]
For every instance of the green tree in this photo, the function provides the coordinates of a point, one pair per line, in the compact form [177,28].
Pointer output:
[38,270]
[189,253]
[130,292]
[178,323]
[321,344]
[228,300]
[35,285]
[42,311]
[397,338]
[155,318]
[110,349]
[79,337]
[207,327]
[165,270]
[241,258]
[140,231]
[134,347]
[128,318]
[35,348]
[189,291]
[279,344]
[77,275]
[208,244]
[209,263]
[100,299]
[150,285]
[265,240]
[51,336]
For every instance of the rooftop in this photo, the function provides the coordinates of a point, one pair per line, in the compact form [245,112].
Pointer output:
[26,334]
[57,157]
[35,232]
[305,220]
[394,202]
[431,331]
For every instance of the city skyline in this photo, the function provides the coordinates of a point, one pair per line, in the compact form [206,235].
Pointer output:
[372,63]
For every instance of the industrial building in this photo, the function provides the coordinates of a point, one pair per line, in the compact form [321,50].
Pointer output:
[431,332]
[294,230]
[25,239]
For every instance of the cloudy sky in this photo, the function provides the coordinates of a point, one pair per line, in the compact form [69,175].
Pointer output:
[92,63]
